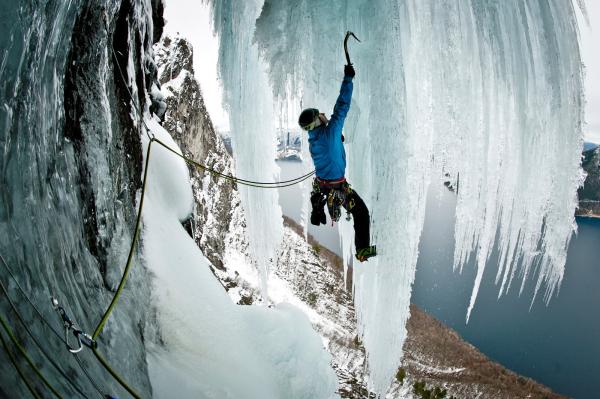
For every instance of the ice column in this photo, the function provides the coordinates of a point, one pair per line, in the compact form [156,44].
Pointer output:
[485,94]
[249,100]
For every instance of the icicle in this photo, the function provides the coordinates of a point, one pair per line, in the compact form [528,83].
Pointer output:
[249,100]
[487,93]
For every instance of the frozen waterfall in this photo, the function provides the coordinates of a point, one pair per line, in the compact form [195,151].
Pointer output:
[252,130]
[77,80]
[487,95]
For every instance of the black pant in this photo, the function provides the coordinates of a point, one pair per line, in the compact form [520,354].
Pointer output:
[357,208]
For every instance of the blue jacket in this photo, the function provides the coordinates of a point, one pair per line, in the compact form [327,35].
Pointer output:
[325,142]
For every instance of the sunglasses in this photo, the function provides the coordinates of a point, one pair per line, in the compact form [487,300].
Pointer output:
[311,125]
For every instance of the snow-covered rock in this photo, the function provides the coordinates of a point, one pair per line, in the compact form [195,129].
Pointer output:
[254,352]
[187,120]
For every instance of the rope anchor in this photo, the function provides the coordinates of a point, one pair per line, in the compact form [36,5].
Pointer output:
[83,339]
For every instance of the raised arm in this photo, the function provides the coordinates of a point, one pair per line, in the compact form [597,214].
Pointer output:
[342,105]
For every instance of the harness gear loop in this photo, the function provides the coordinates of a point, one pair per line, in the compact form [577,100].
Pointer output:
[335,199]
[348,34]
[336,192]
[83,339]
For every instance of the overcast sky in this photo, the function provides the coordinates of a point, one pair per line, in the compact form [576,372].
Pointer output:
[191,19]
[590,45]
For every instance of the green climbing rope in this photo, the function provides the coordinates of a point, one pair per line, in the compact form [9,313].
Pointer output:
[115,375]
[251,183]
[37,371]
[107,313]
[16,366]
[136,233]
[39,345]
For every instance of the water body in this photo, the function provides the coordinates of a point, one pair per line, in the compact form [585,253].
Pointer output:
[589,146]
[555,345]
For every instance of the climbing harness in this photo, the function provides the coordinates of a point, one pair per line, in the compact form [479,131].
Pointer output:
[337,194]
[348,34]
[330,183]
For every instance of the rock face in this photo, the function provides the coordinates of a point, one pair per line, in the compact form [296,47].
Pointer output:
[589,194]
[187,120]
[70,176]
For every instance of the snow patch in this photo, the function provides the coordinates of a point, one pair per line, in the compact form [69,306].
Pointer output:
[209,347]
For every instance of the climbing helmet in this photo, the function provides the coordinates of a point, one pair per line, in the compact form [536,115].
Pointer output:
[308,119]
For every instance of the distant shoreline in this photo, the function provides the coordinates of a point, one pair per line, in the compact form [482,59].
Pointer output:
[592,216]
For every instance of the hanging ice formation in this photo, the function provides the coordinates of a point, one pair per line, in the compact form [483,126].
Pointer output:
[485,94]
[253,129]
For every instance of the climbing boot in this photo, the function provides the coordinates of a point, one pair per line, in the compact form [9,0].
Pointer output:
[366,253]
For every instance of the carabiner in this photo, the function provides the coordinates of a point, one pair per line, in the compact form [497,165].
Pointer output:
[69,325]
[69,347]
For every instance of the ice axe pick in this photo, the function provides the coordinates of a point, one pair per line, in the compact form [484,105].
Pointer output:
[348,34]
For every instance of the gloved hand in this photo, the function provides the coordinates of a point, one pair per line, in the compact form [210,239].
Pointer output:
[349,71]
[317,216]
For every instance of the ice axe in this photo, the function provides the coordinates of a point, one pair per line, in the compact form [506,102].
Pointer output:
[348,34]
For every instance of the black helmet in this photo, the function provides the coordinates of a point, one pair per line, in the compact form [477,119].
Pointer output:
[307,117]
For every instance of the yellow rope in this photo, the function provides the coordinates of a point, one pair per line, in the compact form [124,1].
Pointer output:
[16,366]
[234,179]
[13,338]
[136,234]
[135,238]
[115,375]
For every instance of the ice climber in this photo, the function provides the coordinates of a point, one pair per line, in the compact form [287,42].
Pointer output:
[330,187]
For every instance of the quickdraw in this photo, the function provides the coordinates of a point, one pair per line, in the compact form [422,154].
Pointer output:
[337,197]
[83,339]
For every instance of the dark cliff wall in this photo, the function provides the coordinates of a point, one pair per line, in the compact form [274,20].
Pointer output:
[70,170]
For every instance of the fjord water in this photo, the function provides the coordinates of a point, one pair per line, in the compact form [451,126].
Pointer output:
[555,345]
